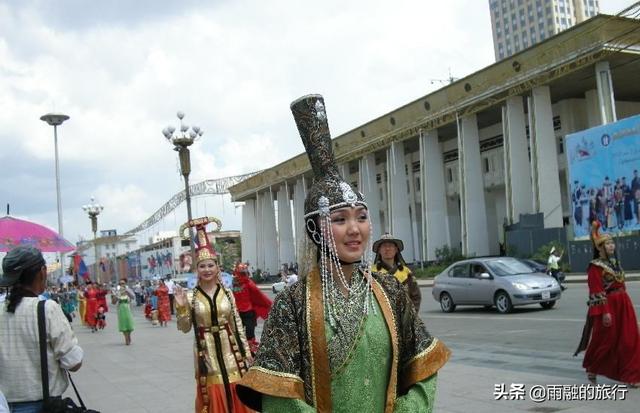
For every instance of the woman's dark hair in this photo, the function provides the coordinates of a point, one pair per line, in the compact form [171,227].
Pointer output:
[19,290]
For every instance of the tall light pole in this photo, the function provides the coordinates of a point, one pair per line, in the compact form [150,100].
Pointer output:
[181,140]
[56,119]
[94,209]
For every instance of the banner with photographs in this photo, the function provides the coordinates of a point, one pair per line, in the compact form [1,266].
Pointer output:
[604,180]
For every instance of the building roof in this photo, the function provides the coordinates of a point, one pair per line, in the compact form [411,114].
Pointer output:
[573,51]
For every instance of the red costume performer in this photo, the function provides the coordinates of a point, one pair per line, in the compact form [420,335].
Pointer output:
[164,307]
[102,298]
[251,303]
[91,295]
[611,331]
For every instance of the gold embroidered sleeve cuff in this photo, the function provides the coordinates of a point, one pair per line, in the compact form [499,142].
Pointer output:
[260,381]
[424,365]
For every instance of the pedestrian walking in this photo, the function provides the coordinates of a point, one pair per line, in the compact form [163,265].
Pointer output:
[251,302]
[341,339]
[164,306]
[610,338]
[388,260]
[221,350]
[171,288]
[122,297]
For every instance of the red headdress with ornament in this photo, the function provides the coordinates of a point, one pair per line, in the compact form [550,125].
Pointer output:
[598,239]
[203,247]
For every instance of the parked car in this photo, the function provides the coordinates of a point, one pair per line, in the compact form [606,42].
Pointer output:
[503,282]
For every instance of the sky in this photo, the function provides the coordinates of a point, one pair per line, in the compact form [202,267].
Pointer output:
[122,69]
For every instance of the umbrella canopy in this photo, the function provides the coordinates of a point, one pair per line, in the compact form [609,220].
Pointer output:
[15,232]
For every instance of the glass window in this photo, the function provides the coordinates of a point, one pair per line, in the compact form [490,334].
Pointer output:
[508,266]
[459,271]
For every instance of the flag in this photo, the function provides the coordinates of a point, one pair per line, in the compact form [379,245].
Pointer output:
[80,268]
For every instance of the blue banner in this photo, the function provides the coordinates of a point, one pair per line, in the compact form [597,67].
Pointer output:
[604,180]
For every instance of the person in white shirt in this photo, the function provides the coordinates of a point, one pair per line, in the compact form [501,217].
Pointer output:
[172,289]
[554,267]
[25,273]
[291,278]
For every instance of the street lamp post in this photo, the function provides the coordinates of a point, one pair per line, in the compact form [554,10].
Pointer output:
[94,209]
[56,119]
[181,140]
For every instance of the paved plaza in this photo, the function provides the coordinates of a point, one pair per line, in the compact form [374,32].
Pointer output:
[156,374]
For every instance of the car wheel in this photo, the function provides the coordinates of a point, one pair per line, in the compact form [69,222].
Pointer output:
[503,302]
[446,303]
[548,304]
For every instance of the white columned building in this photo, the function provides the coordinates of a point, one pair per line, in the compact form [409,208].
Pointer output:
[299,194]
[399,217]
[286,246]
[472,200]
[544,155]
[249,236]
[368,185]
[516,160]
[606,100]
[268,249]
[435,222]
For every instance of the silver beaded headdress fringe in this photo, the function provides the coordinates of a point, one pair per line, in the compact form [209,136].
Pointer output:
[328,192]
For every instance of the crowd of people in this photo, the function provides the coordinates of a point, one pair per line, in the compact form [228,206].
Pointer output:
[614,203]
[344,336]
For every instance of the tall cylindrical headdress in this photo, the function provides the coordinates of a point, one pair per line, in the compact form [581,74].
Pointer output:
[329,190]
[204,248]
[598,239]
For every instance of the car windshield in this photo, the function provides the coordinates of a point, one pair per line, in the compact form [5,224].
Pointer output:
[508,266]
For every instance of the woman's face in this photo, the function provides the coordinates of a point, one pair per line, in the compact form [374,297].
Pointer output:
[350,227]
[609,247]
[208,270]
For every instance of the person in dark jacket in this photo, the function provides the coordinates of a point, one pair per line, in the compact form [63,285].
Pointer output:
[389,260]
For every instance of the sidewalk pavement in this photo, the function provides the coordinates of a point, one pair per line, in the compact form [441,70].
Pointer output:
[156,373]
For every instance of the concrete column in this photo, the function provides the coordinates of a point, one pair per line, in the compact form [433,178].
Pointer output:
[259,231]
[544,158]
[593,110]
[517,174]
[368,185]
[415,214]
[286,246]
[343,169]
[433,196]
[606,100]
[299,194]
[398,207]
[249,235]
[269,236]
[473,210]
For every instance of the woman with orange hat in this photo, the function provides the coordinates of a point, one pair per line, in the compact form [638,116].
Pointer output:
[610,337]
[221,350]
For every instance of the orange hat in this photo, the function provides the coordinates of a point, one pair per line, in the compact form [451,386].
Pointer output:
[598,238]
[204,249]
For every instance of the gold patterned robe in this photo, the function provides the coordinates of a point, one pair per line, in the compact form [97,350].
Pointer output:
[221,348]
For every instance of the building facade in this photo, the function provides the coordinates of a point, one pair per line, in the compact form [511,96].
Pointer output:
[518,24]
[455,166]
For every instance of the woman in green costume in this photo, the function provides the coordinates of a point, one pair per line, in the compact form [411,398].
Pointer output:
[122,296]
[342,339]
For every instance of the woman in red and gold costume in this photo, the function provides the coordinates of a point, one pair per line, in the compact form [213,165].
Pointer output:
[252,303]
[610,337]
[221,352]
[164,307]
[91,296]
[102,291]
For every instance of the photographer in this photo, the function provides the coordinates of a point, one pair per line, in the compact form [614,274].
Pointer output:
[25,273]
